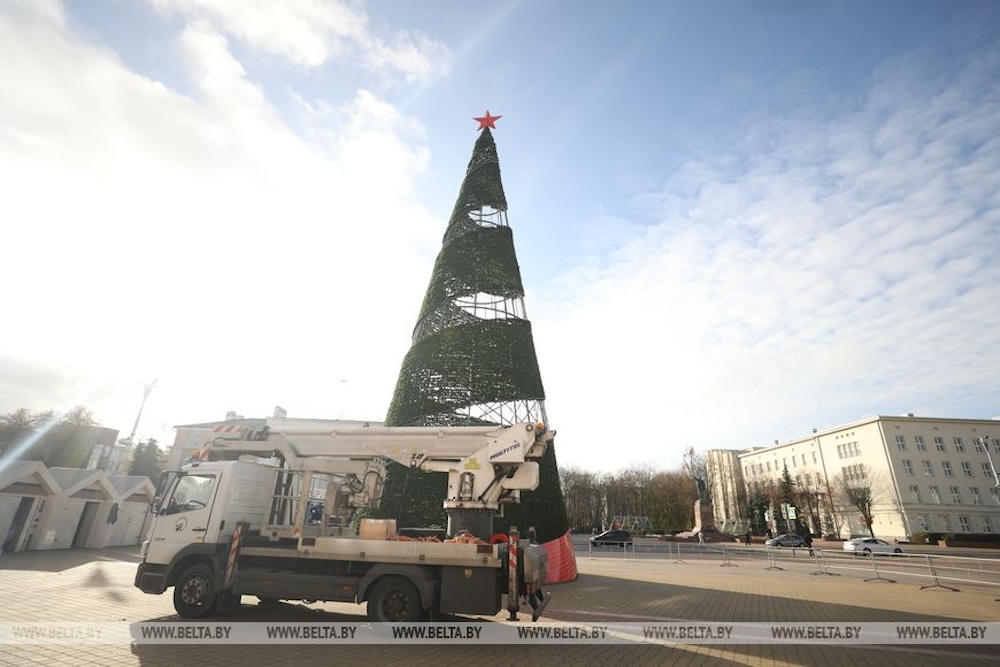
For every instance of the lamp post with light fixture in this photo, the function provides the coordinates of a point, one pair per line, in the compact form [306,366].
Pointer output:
[985,442]
[146,389]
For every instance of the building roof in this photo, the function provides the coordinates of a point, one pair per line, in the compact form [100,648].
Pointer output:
[75,480]
[253,422]
[33,473]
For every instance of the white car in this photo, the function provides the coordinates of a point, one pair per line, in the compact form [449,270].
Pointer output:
[871,545]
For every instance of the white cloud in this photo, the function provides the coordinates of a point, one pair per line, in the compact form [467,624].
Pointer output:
[310,33]
[821,269]
[159,235]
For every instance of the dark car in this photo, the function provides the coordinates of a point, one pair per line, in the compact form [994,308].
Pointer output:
[614,538]
[786,540]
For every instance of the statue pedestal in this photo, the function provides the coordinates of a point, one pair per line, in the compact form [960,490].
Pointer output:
[704,517]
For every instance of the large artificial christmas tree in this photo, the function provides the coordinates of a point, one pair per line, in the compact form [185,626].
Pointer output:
[472,360]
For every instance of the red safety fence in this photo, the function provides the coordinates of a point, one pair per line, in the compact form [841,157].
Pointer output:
[562,560]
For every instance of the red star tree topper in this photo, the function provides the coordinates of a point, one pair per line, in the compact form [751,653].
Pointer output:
[487,121]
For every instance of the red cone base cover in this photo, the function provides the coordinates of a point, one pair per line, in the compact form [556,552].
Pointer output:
[562,560]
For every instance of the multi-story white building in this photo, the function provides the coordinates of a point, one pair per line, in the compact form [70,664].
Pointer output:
[725,478]
[925,474]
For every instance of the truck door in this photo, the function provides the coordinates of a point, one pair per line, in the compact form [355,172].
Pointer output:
[184,516]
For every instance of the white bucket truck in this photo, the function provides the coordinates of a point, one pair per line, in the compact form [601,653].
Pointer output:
[273,521]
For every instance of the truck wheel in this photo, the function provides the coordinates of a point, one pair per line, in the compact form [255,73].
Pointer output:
[194,592]
[394,600]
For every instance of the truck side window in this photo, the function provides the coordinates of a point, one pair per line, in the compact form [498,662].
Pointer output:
[192,492]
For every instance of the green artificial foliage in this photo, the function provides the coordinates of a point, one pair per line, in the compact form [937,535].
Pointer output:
[472,359]
[484,361]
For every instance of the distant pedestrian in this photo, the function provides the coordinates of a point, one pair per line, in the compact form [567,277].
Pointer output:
[807,536]
[701,537]
[746,539]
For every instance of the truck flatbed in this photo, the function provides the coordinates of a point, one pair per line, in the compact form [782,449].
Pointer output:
[454,554]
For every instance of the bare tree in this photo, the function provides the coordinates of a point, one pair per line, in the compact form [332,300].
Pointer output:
[663,497]
[809,499]
[855,488]
[829,505]
[696,467]
[45,436]
[584,494]
[670,500]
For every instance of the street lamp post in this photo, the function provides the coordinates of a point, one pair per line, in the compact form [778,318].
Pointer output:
[985,442]
[146,389]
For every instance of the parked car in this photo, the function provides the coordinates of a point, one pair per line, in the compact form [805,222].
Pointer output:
[614,538]
[786,540]
[871,545]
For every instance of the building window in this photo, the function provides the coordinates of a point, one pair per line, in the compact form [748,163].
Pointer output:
[977,498]
[987,469]
[987,525]
[814,457]
[900,442]
[946,466]
[845,451]
[914,493]
[768,465]
[939,443]
[956,495]
[963,524]
[966,468]
[979,446]
[95,457]
[935,495]
[920,443]
[946,522]
[854,473]
[959,447]
[922,522]
[995,492]
[928,469]
[908,467]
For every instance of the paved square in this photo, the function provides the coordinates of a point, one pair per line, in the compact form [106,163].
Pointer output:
[96,586]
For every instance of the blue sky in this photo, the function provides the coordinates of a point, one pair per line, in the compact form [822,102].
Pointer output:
[735,221]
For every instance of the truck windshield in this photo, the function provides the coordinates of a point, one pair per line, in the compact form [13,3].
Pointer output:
[191,492]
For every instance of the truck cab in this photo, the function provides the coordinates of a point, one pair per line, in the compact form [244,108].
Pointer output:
[199,511]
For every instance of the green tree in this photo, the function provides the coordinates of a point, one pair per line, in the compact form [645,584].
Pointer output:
[786,492]
[147,460]
[755,508]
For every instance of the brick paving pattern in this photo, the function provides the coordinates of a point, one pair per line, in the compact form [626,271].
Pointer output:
[96,586]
